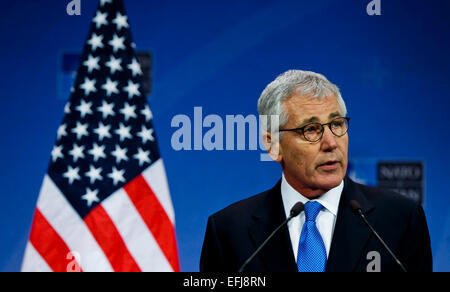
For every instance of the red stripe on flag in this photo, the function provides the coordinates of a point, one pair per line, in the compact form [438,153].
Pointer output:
[109,239]
[50,245]
[155,218]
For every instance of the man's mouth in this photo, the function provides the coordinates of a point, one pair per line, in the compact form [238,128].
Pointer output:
[329,165]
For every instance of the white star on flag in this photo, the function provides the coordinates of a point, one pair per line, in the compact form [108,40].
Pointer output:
[84,108]
[72,174]
[117,43]
[102,131]
[80,130]
[128,111]
[135,68]
[114,64]
[110,87]
[120,154]
[100,19]
[94,174]
[106,109]
[120,21]
[77,152]
[147,113]
[103,2]
[132,89]
[90,196]
[88,86]
[117,175]
[67,108]
[123,132]
[97,151]
[142,156]
[96,41]
[92,63]
[146,135]
[62,131]
[57,152]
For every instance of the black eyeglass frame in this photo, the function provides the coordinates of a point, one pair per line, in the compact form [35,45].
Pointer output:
[323,129]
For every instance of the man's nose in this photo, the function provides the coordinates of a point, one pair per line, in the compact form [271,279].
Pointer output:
[329,142]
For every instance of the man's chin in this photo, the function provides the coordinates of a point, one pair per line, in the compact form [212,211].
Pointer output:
[329,181]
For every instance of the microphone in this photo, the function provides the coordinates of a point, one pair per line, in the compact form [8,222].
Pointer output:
[298,207]
[358,210]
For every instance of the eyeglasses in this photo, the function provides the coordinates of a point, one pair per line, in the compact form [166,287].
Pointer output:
[313,132]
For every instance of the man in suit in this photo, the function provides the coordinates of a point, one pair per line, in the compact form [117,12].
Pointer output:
[311,145]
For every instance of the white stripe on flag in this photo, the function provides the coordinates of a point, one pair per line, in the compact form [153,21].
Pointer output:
[33,262]
[71,228]
[155,175]
[137,237]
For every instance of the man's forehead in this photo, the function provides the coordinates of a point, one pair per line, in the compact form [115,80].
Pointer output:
[312,109]
[314,119]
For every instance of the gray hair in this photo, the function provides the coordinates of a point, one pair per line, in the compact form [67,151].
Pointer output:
[307,83]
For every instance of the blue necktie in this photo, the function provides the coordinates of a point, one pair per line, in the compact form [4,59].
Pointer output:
[312,256]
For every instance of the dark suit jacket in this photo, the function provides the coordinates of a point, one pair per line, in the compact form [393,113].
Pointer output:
[234,233]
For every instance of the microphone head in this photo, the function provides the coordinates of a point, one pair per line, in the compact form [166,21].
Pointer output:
[298,207]
[355,205]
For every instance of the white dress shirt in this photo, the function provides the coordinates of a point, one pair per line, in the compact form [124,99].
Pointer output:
[325,221]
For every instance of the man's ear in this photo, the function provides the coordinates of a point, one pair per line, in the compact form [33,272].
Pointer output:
[272,145]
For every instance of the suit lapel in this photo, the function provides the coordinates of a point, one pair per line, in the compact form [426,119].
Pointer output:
[277,255]
[350,234]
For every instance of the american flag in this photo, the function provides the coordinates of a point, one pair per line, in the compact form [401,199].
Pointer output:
[105,204]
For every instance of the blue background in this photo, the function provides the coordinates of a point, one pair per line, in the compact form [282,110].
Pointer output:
[393,71]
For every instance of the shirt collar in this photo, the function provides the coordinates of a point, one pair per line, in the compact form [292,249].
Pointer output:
[329,200]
